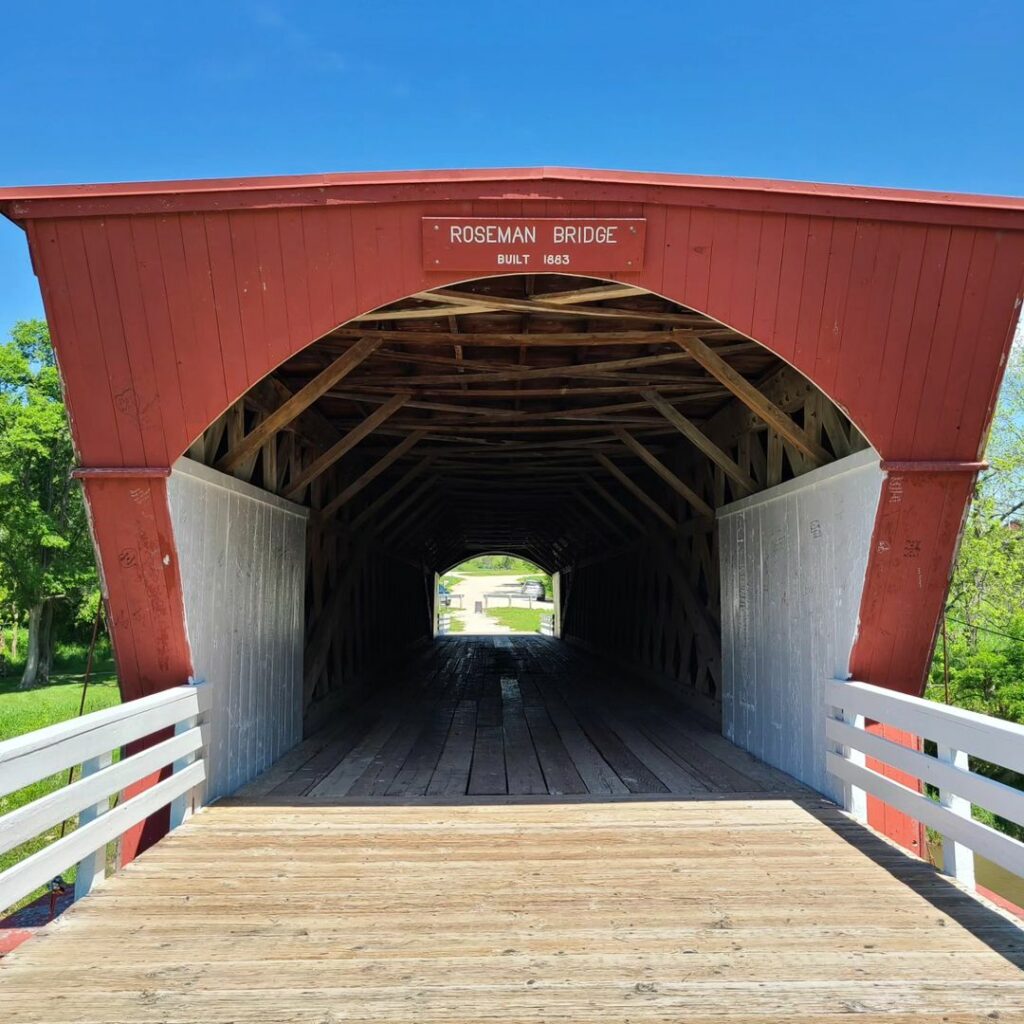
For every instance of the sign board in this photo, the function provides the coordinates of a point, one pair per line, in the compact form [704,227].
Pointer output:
[534,245]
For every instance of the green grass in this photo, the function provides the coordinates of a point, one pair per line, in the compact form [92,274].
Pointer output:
[463,572]
[484,565]
[24,711]
[457,623]
[522,620]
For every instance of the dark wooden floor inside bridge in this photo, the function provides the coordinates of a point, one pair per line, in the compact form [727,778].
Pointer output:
[515,716]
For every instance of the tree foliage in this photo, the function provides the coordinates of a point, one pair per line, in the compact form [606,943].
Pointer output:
[45,553]
[984,636]
[979,657]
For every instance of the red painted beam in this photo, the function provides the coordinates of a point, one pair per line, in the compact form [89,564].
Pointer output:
[131,524]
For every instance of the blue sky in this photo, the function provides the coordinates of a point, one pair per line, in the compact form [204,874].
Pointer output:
[905,93]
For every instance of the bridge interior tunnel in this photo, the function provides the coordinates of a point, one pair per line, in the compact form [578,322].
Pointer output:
[676,474]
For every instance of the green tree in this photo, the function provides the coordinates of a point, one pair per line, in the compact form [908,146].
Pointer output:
[45,552]
[985,606]
[979,659]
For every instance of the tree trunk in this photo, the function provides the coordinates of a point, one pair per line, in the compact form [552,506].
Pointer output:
[30,677]
[40,645]
[15,634]
[46,643]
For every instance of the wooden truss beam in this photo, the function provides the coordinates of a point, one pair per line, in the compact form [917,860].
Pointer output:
[763,407]
[697,388]
[372,473]
[594,293]
[382,502]
[346,444]
[507,339]
[636,490]
[591,508]
[425,313]
[696,502]
[414,495]
[614,503]
[540,372]
[298,403]
[702,442]
[598,413]
[464,304]
[707,629]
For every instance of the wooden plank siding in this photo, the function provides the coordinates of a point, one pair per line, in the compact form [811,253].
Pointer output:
[243,553]
[793,561]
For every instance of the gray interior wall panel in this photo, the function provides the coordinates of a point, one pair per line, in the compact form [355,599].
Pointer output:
[793,561]
[243,554]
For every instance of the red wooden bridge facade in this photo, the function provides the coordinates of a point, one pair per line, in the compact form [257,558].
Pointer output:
[170,302]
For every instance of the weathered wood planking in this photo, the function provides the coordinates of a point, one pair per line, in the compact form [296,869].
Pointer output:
[243,554]
[648,911]
[792,569]
[515,716]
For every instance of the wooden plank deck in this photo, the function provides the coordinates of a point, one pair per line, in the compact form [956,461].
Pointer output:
[701,910]
[519,716]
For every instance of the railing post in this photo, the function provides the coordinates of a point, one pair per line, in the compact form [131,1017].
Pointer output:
[182,807]
[93,867]
[957,859]
[855,799]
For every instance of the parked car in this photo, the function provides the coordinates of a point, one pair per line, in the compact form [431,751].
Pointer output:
[534,589]
[444,595]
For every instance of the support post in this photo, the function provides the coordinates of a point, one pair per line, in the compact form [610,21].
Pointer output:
[957,859]
[183,807]
[92,868]
[855,799]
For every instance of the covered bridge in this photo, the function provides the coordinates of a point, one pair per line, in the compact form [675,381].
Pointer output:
[739,420]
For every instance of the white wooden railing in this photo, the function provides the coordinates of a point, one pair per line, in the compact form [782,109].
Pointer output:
[958,735]
[90,741]
[547,625]
[444,623]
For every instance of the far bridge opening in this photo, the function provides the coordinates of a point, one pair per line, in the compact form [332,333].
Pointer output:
[497,594]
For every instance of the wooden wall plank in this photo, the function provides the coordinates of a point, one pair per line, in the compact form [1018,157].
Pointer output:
[242,563]
[794,560]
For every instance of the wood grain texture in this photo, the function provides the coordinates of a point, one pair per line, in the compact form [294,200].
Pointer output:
[526,717]
[243,554]
[702,911]
[793,561]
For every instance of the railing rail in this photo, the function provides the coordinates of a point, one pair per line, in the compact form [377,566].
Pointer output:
[444,623]
[547,625]
[958,735]
[90,741]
